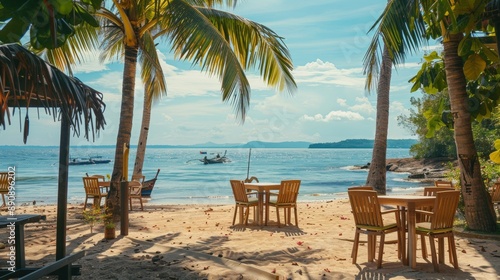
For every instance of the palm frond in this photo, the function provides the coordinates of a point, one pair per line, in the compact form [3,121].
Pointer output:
[151,71]
[195,38]
[112,32]
[226,45]
[256,45]
[401,28]
[84,40]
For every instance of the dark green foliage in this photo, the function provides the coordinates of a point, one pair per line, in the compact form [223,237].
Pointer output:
[50,23]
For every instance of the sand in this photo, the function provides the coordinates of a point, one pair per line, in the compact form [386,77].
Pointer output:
[198,242]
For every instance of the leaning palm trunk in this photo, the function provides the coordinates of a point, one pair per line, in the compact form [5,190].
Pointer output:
[124,129]
[143,137]
[479,212]
[377,173]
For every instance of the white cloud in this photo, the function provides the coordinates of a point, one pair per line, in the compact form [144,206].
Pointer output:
[364,106]
[90,63]
[335,116]
[342,102]
[319,72]
[398,108]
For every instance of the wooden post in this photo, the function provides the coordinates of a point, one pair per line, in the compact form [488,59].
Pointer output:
[62,195]
[125,162]
[124,194]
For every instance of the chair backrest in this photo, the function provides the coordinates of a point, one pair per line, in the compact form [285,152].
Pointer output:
[289,191]
[4,182]
[366,188]
[138,177]
[135,188]
[443,184]
[239,192]
[495,193]
[91,185]
[99,177]
[431,191]
[365,208]
[444,209]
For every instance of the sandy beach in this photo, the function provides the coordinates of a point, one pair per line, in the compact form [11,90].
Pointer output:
[198,242]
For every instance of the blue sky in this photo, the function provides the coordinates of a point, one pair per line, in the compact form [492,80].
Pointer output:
[327,40]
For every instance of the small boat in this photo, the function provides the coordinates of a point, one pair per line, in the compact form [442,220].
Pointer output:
[203,152]
[216,159]
[90,160]
[148,185]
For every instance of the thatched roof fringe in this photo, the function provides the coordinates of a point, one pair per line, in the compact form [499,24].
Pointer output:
[28,81]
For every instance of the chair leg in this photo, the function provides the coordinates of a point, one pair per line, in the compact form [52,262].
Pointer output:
[3,199]
[85,204]
[142,206]
[380,250]
[247,213]
[453,250]
[296,217]
[278,216]
[235,211]
[441,249]
[424,247]
[130,202]
[433,253]
[354,253]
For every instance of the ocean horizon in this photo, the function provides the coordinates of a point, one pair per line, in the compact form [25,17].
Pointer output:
[184,179]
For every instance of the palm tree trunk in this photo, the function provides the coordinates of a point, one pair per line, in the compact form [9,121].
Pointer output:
[143,138]
[124,129]
[479,212]
[377,173]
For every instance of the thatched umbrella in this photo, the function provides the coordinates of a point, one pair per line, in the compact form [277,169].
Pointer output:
[28,81]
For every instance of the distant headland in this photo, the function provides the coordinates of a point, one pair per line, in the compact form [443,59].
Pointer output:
[344,144]
[365,143]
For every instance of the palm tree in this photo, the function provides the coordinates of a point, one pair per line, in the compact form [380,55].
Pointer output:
[405,25]
[223,44]
[377,173]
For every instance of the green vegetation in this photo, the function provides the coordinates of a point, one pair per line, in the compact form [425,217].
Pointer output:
[428,120]
[364,143]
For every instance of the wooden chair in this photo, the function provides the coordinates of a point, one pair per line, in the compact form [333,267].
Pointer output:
[495,195]
[139,178]
[135,188]
[287,199]
[440,225]
[369,221]
[4,186]
[101,178]
[93,190]
[428,191]
[443,184]
[242,200]
[366,188]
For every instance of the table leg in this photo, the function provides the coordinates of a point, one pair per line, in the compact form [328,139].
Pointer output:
[260,212]
[412,240]
[441,249]
[20,256]
[268,196]
[404,256]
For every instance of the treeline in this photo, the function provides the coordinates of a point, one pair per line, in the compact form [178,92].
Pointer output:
[364,144]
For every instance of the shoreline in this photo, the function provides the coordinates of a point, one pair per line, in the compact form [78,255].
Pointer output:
[198,242]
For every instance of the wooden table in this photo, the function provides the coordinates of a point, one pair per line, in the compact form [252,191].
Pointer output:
[18,222]
[410,203]
[263,190]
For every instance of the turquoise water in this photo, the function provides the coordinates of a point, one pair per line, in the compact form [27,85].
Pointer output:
[183,179]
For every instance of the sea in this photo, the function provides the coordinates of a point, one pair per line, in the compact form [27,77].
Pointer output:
[184,179]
